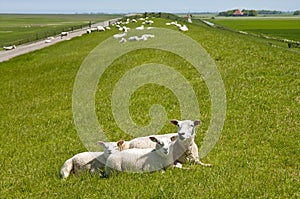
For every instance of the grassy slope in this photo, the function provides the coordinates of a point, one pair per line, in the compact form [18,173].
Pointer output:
[17,27]
[257,155]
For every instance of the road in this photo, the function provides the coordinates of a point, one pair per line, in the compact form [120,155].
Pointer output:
[26,48]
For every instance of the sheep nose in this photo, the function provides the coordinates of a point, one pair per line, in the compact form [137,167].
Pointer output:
[181,133]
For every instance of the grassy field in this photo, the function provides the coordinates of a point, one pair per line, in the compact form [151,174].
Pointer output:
[279,27]
[257,155]
[21,28]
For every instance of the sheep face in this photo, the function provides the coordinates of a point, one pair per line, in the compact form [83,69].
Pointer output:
[163,146]
[186,128]
[109,147]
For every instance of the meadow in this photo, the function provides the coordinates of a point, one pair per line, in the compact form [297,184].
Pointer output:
[279,27]
[22,28]
[257,155]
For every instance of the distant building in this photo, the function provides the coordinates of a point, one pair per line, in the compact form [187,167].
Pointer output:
[238,12]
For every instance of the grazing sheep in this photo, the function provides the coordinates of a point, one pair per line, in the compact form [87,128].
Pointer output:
[185,148]
[100,28]
[142,160]
[9,47]
[149,22]
[63,34]
[88,31]
[89,161]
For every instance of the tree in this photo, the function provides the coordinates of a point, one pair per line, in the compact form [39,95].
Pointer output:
[297,12]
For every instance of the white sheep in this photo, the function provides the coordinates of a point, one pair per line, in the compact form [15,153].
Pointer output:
[9,47]
[89,161]
[100,28]
[185,148]
[144,142]
[118,36]
[183,28]
[63,34]
[88,31]
[149,22]
[140,27]
[142,160]
[123,40]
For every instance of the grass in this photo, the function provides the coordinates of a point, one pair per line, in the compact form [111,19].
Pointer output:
[21,28]
[282,27]
[257,155]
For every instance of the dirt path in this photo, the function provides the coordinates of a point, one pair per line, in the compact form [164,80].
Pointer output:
[26,48]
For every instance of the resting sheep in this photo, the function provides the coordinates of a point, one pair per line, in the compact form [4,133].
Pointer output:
[185,148]
[142,160]
[144,142]
[88,161]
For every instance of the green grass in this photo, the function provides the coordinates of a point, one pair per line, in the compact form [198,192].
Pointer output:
[285,28]
[21,28]
[257,155]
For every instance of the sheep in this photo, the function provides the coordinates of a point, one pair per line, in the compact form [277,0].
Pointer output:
[107,27]
[149,22]
[185,148]
[140,27]
[184,28]
[134,21]
[88,31]
[9,47]
[117,36]
[134,38]
[123,40]
[63,34]
[89,161]
[144,142]
[100,28]
[142,160]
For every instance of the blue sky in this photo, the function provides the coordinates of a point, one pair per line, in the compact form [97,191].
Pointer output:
[126,6]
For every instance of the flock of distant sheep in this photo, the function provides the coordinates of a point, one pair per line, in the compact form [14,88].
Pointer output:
[121,26]
[141,154]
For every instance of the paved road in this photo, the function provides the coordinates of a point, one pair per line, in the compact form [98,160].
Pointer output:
[26,48]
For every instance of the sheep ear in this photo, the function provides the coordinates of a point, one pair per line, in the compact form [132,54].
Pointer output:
[197,122]
[153,139]
[174,122]
[173,138]
[120,143]
[101,143]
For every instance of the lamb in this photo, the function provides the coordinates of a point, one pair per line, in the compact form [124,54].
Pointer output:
[185,148]
[89,161]
[142,160]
